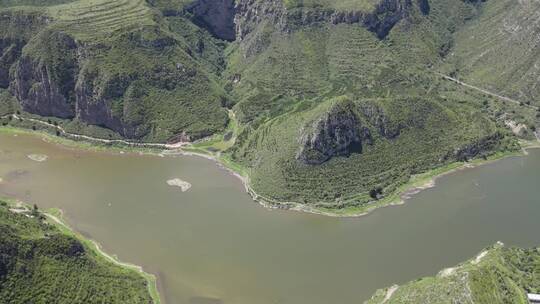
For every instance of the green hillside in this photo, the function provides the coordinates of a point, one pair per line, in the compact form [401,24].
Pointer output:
[497,275]
[115,64]
[333,105]
[41,264]
[415,121]
[499,50]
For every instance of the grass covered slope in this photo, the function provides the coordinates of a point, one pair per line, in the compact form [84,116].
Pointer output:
[499,49]
[497,275]
[116,64]
[41,264]
[400,120]
[329,104]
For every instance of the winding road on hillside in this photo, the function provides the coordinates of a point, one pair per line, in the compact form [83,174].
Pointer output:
[508,99]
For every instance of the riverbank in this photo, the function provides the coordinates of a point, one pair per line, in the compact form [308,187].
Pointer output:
[54,217]
[416,183]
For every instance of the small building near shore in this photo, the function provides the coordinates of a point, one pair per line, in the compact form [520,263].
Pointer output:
[533,298]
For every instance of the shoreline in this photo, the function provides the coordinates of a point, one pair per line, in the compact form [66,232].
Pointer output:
[398,197]
[56,216]
[416,184]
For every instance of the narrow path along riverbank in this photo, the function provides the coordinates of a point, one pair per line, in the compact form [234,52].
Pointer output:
[97,139]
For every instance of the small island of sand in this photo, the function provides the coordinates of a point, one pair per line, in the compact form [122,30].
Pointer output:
[38,157]
[176,182]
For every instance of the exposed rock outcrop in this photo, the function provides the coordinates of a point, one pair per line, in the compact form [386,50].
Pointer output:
[380,121]
[93,106]
[477,147]
[215,15]
[17,29]
[10,51]
[338,132]
[45,84]
[385,15]
[424,6]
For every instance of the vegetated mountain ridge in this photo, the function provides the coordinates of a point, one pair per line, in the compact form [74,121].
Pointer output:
[332,110]
[333,101]
[497,275]
[116,64]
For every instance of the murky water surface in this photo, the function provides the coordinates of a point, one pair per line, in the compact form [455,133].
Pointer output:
[212,244]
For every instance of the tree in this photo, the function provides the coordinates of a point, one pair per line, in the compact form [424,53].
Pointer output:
[375,193]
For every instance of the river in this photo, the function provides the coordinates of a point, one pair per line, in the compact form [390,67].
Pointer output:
[213,244]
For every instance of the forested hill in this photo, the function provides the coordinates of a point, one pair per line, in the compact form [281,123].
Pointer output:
[328,105]
[42,265]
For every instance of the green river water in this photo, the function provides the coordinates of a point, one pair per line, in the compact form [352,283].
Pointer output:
[213,244]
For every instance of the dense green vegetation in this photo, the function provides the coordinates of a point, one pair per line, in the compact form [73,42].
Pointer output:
[120,63]
[41,264]
[158,70]
[417,121]
[497,275]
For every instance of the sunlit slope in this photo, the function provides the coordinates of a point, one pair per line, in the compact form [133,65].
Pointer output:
[41,264]
[500,49]
[401,119]
[497,275]
[335,104]
[116,64]
[95,19]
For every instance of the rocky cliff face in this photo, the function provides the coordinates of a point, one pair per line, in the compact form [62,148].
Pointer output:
[477,147]
[387,13]
[10,50]
[338,132]
[93,106]
[52,72]
[380,121]
[16,30]
[215,15]
[45,84]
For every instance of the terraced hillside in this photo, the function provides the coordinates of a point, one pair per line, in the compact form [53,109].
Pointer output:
[497,275]
[96,19]
[499,50]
